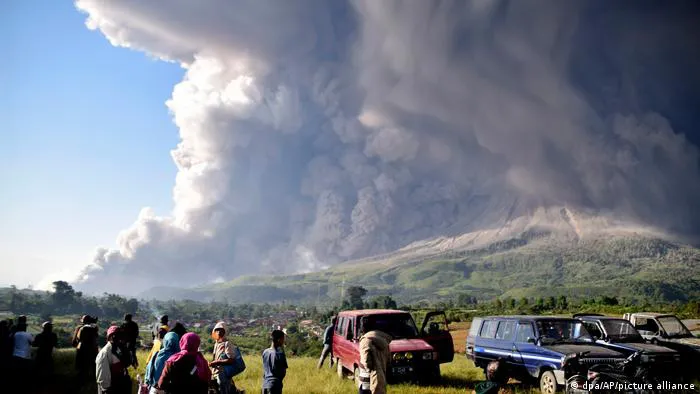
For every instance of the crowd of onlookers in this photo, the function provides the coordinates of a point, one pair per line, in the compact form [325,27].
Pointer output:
[175,364]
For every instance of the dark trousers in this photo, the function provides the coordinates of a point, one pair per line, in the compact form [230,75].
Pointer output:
[274,390]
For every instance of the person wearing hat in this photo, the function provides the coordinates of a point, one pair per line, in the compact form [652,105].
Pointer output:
[110,371]
[224,354]
[45,341]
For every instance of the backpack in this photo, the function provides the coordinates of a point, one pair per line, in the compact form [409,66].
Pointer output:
[238,366]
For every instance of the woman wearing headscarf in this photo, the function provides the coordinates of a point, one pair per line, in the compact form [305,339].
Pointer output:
[187,371]
[155,367]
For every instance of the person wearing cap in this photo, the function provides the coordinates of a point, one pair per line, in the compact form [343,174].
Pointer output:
[45,341]
[224,354]
[110,371]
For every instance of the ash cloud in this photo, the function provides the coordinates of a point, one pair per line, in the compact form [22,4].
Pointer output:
[316,132]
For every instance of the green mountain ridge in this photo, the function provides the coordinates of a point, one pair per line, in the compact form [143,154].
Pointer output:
[535,263]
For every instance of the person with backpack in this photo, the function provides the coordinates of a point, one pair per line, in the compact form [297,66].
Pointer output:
[154,368]
[187,371]
[110,369]
[274,364]
[227,361]
[85,341]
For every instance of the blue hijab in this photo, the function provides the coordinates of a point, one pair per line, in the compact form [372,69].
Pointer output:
[171,345]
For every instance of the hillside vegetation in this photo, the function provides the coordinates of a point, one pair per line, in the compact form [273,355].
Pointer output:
[531,265]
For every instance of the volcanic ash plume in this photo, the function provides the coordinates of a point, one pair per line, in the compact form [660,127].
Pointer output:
[317,132]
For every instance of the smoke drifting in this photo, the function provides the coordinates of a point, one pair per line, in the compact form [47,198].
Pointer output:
[314,132]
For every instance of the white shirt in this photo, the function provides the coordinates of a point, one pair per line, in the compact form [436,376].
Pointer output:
[105,358]
[23,344]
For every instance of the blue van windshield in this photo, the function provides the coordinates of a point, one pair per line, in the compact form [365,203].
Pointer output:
[557,331]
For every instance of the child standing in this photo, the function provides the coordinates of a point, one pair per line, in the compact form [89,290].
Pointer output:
[274,364]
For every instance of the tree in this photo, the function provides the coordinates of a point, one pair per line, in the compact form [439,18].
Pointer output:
[355,296]
[562,303]
[64,298]
[523,302]
[498,304]
[551,302]
[382,302]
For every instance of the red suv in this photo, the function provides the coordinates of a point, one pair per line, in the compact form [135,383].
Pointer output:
[414,354]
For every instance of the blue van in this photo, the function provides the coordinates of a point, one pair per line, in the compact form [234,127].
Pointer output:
[534,347]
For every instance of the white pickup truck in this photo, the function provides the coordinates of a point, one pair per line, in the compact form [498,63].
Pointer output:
[667,330]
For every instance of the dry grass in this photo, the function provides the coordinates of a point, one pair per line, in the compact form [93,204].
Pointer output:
[459,376]
[459,332]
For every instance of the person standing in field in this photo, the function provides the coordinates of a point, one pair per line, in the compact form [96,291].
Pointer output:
[45,342]
[21,361]
[131,336]
[110,371]
[274,364]
[224,355]
[154,368]
[157,343]
[164,321]
[327,344]
[186,372]
[85,342]
[374,355]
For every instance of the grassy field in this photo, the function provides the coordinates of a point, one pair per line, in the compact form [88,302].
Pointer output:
[459,376]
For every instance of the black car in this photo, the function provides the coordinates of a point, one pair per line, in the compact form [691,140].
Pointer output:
[620,335]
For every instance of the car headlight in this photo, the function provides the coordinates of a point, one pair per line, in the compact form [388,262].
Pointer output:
[398,356]
[409,355]
[646,358]
[676,357]
[427,356]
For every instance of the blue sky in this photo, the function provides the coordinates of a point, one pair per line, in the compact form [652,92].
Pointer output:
[85,139]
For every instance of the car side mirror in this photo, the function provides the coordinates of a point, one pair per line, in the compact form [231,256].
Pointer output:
[531,340]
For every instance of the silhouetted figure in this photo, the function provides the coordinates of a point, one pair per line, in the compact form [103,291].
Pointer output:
[131,337]
[85,341]
[179,329]
[45,342]
[5,349]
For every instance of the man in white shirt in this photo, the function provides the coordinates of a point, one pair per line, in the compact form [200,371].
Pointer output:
[21,353]
[110,371]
